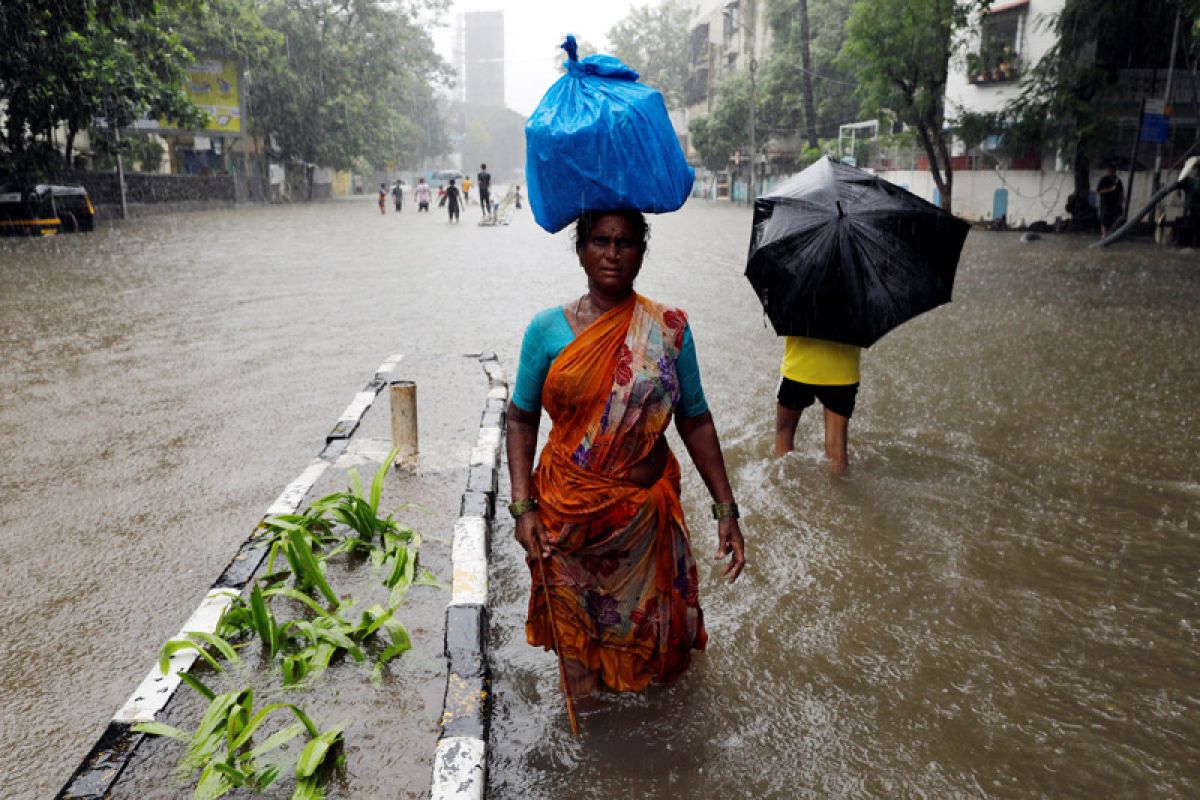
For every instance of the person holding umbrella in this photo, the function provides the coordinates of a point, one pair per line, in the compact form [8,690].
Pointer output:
[816,369]
[839,257]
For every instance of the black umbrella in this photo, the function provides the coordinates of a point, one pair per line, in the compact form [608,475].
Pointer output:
[839,254]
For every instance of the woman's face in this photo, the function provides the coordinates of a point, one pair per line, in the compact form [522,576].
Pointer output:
[612,255]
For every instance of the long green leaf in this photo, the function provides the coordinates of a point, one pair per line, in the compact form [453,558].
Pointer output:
[401,642]
[304,720]
[198,685]
[278,738]
[254,723]
[267,776]
[217,642]
[380,475]
[312,571]
[212,726]
[299,597]
[175,645]
[295,668]
[212,784]
[308,789]
[162,729]
[356,483]
[344,642]
[313,754]
[264,623]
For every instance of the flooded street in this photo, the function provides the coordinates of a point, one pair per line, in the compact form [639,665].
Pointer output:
[1001,598]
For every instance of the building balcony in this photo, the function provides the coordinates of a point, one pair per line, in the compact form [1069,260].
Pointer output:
[1001,73]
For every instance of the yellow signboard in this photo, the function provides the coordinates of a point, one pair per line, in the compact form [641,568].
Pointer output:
[213,84]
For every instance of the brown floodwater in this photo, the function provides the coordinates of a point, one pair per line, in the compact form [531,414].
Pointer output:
[1001,598]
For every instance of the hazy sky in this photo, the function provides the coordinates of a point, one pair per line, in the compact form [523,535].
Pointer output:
[533,29]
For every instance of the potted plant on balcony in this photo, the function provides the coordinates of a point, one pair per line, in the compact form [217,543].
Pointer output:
[1004,70]
[975,71]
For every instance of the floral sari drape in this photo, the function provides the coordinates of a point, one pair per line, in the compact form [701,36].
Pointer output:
[622,578]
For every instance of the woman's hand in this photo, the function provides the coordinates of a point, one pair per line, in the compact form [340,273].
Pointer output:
[532,535]
[731,543]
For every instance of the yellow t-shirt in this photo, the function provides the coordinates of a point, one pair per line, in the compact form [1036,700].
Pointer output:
[820,362]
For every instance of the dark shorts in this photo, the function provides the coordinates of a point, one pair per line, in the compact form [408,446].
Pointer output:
[799,396]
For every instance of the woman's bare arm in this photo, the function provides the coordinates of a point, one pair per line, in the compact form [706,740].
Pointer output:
[521,429]
[699,435]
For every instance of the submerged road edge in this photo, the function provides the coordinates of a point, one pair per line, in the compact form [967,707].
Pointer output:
[99,770]
[460,762]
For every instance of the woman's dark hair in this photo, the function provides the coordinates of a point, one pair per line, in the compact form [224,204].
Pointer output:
[587,220]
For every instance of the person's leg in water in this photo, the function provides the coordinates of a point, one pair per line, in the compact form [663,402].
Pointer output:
[793,398]
[786,420]
[837,429]
[584,684]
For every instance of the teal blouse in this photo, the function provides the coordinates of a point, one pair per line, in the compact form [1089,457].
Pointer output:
[549,332]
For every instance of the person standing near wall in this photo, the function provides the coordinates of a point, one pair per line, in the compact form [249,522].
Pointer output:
[1112,197]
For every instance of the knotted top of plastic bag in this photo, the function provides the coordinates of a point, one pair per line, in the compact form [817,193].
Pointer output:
[601,141]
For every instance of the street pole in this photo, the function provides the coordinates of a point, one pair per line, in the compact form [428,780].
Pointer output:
[753,91]
[753,101]
[121,174]
[1137,134]
[1166,103]
[753,148]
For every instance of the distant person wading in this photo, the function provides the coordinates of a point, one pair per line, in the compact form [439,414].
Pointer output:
[484,179]
[451,198]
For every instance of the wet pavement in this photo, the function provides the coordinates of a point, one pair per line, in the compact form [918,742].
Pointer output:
[999,599]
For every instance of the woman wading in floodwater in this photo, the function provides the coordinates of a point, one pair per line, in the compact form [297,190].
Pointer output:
[602,507]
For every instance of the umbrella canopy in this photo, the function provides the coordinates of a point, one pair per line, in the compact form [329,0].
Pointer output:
[839,254]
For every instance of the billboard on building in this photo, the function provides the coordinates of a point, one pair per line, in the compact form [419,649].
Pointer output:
[215,86]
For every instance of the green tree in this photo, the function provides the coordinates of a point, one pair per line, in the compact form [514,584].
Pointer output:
[355,83]
[901,52]
[786,80]
[726,129]
[67,63]
[654,40]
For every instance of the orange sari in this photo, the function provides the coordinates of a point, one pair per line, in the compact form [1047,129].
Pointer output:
[622,578]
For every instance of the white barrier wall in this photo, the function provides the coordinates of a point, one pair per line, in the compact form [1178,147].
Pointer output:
[1033,195]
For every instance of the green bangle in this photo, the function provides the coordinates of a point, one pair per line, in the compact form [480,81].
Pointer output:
[519,507]
[722,510]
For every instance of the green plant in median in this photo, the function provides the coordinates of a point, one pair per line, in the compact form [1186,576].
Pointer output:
[359,511]
[306,647]
[222,747]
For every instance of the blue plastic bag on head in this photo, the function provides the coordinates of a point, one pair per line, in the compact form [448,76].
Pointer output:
[601,141]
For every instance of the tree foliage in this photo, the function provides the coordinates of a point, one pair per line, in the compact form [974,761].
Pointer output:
[654,40]
[327,82]
[68,63]
[354,83]
[726,130]
[781,85]
[901,51]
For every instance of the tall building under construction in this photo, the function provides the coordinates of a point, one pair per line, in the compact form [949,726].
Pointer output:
[479,57]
